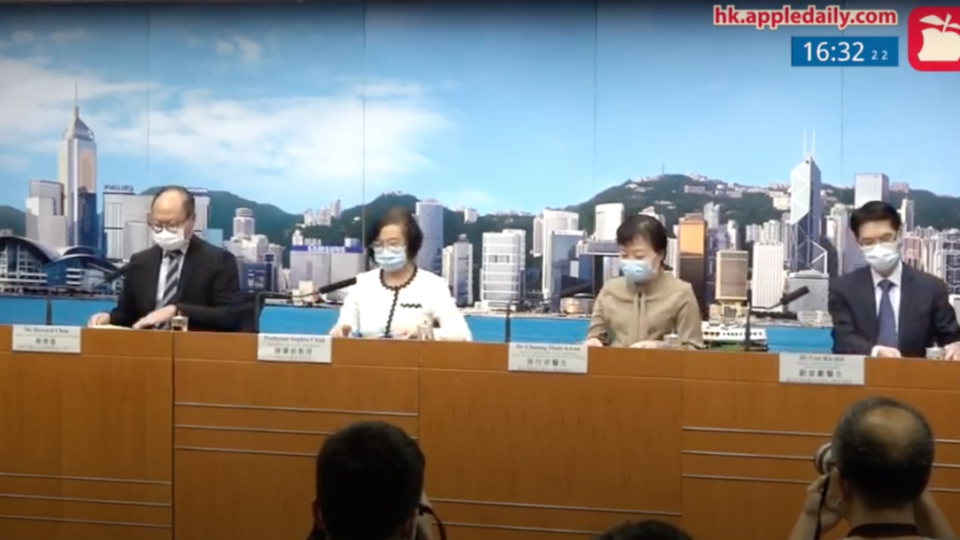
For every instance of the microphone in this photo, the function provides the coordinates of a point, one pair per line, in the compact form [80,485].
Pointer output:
[784,301]
[261,297]
[581,288]
[108,279]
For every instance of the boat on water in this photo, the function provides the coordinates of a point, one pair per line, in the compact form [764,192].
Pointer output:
[730,337]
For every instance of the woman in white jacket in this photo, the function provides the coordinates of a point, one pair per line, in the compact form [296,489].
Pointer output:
[397,298]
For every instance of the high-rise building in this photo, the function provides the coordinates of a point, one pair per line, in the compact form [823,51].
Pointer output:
[767,281]
[818,286]
[908,215]
[711,214]
[201,199]
[732,267]
[430,219]
[502,268]
[608,218]
[553,220]
[849,255]
[692,241]
[244,224]
[806,218]
[563,262]
[458,270]
[870,187]
[77,172]
[44,217]
[125,229]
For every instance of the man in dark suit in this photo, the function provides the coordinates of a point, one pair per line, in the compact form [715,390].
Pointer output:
[181,274]
[887,308]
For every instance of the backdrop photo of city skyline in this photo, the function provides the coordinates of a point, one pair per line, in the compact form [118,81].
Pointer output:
[303,116]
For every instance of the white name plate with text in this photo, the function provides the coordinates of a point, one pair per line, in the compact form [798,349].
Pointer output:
[837,369]
[547,357]
[46,339]
[294,348]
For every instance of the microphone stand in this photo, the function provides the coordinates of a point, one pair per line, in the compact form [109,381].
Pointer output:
[747,334]
[507,327]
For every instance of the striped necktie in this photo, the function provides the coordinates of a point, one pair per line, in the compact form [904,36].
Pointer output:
[171,282]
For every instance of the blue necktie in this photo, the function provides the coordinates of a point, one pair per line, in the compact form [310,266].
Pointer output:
[886,319]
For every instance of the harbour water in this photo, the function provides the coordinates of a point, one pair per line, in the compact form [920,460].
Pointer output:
[291,320]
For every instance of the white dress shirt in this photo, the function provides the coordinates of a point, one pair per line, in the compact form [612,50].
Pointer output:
[369,306]
[162,276]
[895,277]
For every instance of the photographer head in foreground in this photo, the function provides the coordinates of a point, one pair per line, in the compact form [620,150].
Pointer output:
[875,477]
[370,486]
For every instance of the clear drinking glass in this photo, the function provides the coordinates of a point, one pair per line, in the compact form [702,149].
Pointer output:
[179,323]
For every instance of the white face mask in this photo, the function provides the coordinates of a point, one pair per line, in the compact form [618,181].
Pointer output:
[882,257]
[170,240]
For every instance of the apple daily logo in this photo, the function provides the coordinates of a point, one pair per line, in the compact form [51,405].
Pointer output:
[933,38]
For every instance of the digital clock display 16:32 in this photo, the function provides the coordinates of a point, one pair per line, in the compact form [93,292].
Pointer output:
[845,51]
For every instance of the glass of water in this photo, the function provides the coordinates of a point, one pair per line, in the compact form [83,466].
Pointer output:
[179,323]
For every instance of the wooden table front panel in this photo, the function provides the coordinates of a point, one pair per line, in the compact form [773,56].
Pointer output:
[548,456]
[748,440]
[247,432]
[86,439]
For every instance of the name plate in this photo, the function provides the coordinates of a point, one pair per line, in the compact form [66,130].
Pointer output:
[547,357]
[46,339]
[294,348]
[837,369]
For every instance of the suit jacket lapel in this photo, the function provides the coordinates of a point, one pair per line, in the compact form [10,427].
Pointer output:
[866,290]
[153,277]
[189,265]
[908,292]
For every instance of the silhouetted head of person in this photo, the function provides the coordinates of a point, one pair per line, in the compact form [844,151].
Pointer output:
[644,530]
[369,483]
[882,455]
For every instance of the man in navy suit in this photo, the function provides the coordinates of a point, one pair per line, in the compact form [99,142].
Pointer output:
[888,309]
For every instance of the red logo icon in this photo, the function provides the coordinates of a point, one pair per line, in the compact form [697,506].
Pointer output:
[933,38]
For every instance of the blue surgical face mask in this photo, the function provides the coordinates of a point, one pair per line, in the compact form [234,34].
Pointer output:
[636,271]
[390,259]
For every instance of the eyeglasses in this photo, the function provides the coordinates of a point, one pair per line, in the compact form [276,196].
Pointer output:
[169,227]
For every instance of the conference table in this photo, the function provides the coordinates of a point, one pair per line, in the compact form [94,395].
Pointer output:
[188,436]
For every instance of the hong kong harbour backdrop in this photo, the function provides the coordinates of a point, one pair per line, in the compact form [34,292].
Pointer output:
[520,134]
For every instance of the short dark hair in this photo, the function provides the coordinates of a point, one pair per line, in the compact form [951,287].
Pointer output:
[369,481]
[886,462]
[874,211]
[189,202]
[412,233]
[644,530]
[646,227]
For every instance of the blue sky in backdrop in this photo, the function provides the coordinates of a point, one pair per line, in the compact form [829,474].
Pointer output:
[494,106]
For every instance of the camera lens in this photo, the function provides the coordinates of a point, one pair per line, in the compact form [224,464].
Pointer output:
[822,458]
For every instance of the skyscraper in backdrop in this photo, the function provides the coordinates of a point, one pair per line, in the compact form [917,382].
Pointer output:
[870,187]
[806,217]
[430,219]
[77,172]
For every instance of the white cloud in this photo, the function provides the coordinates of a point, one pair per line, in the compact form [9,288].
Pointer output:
[248,50]
[21,37]
[252,146]
[66,36]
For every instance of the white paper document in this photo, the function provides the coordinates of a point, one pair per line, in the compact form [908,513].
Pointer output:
[294,348]
[836,369]
[46,339]
[547,357]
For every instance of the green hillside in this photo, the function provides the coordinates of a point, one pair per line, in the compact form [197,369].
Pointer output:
[13,219]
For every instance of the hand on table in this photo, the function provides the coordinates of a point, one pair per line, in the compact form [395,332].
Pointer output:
[99,319]
[952,352]
[341,330]
[156,318]
[405,332]
[593,342]
[886,352]
[647,345]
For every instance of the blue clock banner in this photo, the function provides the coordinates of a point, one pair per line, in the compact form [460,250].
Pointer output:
[843,51]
